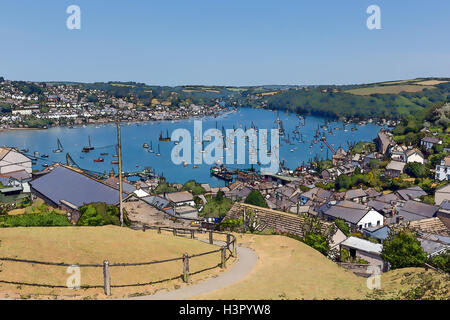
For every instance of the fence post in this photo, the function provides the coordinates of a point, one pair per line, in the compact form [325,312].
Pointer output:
[192,234]
[223,254]
[210,237]
[228,240]
[185,267]
[174,231]
[107,278]
[159,229]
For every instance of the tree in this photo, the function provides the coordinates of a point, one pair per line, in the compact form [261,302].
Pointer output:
[343,182]
[402,249]
[317,241]
[343,226]
[416,170]
[255,198]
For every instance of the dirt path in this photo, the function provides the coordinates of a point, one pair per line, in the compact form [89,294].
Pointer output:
[247,259]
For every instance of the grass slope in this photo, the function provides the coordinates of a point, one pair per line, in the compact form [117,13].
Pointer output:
[93,245]
[289,269]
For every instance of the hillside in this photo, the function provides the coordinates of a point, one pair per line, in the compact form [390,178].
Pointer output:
[93,245]
[289,269]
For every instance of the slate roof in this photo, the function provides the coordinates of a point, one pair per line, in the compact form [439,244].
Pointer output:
[387,198]
[380,233]
[411,193]
[430,139]
[347,210]
[395,165]
[355,193]
[64,183]
[114,183]
[414,210]
[181,196]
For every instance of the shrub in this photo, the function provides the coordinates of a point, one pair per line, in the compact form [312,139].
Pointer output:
[317,241]
[34,220]
[255,198]
[343,226]
[441,261]
[100,214]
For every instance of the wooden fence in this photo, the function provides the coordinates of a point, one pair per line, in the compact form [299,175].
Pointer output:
[227,250]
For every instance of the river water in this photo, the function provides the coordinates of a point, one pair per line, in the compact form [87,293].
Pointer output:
[134,135]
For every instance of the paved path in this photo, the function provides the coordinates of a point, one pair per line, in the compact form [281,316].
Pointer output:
[241,268]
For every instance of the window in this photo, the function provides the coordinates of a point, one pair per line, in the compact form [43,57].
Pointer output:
[378,222]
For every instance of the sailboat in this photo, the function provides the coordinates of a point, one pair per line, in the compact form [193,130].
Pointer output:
[166,138]
[151,148]
[88,148]
[60,147]
[158,154]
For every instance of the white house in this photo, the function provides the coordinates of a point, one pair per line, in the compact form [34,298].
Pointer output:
[182,198]
[443,170]
[12,161]
[414,155]
[356,215]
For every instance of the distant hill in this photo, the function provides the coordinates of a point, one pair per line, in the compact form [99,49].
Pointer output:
[390,99]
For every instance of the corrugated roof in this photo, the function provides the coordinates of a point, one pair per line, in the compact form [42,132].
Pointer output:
[63,183]
[363,245]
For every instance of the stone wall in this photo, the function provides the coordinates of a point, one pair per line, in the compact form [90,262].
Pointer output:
[277,220]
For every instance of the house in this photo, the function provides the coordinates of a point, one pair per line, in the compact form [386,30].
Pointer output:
[441,194]
[15,164]
[395,168]
[429,142]
[430,225]
[410,193]
[356,195]
[414,155]
[180,198]
[13,191]
[434,244]
[186,212]
[363,249]
[380,233]
[443,170]
[368,158]
[398,153]
[207,188]
[330,173]
[414,210]
[384,141]
[69,188]
[357,216]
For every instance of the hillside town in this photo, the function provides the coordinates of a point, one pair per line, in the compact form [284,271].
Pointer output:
[367,191]
[42,105]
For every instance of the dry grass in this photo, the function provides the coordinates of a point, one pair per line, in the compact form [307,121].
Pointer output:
[93,245]
[430,82]
[289,269]
[413,283]
[394,89]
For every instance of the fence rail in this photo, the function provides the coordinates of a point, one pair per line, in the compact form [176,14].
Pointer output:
[230,247]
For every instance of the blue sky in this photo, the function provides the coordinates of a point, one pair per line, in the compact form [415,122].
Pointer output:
[231,42]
